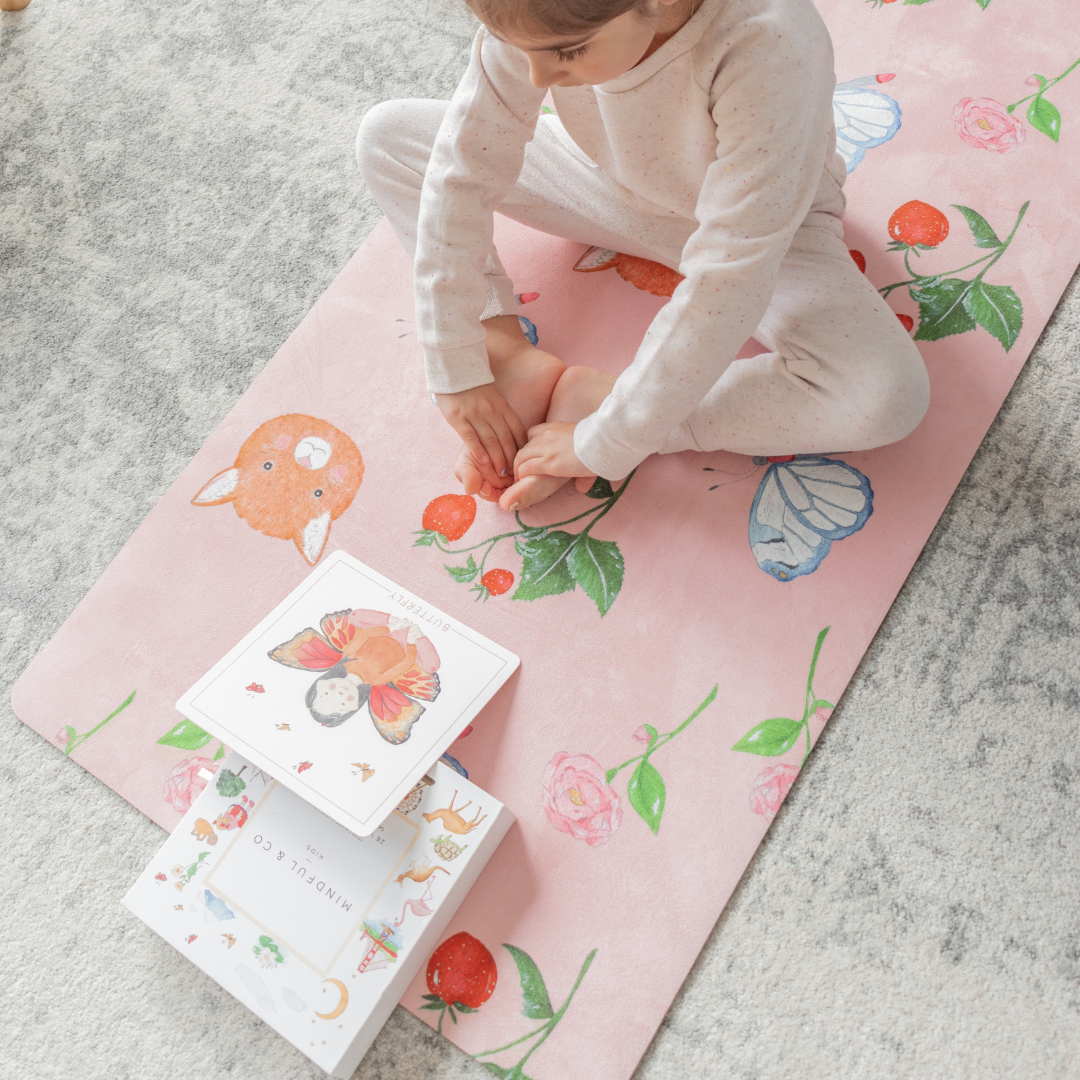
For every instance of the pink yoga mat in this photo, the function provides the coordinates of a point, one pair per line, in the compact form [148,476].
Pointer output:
[633,826]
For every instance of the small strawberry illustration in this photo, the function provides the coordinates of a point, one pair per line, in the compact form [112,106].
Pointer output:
[450,515]
[467,731]
[461,976]
[160,877]
[496,582]
[527,297]
[860,260]
[192,938]
[907,321]
[256,688]
[917,225]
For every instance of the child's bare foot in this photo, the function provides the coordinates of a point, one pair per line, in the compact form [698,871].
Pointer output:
[526,377]
[577,394]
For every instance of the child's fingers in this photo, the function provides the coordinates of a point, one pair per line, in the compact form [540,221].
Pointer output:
[489,436]
[467,434]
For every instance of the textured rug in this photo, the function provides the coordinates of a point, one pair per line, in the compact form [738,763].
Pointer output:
[911,901]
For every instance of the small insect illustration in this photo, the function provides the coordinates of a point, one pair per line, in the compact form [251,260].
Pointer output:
[178,907]
[452,819]
[303,766]
[283,727]
[412,800]
[863,117]
[255,688]
[191,938]
[160,877]
[365,768]
[228,940]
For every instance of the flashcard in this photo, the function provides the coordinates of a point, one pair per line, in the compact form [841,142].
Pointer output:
[349,690]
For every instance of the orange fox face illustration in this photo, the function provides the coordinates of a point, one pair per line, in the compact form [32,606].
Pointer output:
[293,476]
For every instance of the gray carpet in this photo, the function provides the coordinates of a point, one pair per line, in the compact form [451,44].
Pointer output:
[177,190]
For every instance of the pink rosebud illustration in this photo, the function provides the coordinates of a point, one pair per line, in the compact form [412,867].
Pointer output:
[986,124]
[62,736]
[1032,80]
[770,787]
[183,785]
[642,735]
[578,800]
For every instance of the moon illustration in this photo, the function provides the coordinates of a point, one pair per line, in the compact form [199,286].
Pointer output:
[340,1005]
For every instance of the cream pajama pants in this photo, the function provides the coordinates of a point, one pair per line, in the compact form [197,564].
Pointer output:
[842,373]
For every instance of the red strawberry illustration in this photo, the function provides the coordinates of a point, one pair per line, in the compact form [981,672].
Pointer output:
[160,877]
[907,321]
[497,581]
[467,731]
[450,515]
[860,260]
[918,224]
[461,975]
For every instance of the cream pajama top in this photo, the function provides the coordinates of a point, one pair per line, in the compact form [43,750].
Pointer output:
[728,124]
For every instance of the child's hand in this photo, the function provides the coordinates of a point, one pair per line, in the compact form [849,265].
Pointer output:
[550,452]
[489,428]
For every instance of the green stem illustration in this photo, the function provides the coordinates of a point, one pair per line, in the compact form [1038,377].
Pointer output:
[1046,85]
[924,280]
[659,739]
[778,735]
[536,999]
[553,561]
[77,740]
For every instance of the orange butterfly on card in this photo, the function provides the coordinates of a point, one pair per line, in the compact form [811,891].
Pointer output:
[368,658]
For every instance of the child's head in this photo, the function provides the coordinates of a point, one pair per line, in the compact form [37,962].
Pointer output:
[580,42]
[335,696]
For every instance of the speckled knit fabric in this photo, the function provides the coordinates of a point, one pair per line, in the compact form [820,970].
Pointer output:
[178,188]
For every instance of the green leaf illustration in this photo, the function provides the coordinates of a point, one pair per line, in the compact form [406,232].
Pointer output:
[941,310]
[435,1006]
[533,989]
[821,703]
[491,1067]
[186,736]
[464,1008]
[70,732]
[985,237]
[610,775]
[597,566]
[544,570]
[996,308]
[1043,115]
[647,793]
[984,4]
[651,732]
[770,738]
[464,573]
[425,538]
[601,489]
[220,752]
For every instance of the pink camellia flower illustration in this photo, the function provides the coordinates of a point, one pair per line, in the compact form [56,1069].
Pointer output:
[578,800]
[986,124]
[184,784]
[770,787]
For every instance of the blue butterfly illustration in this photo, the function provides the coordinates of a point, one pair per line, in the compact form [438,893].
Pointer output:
[804,503]
[863,118]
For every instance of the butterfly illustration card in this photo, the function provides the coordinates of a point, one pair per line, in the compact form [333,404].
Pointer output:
[349,690]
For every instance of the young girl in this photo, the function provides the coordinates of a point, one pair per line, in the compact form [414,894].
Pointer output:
[695,133]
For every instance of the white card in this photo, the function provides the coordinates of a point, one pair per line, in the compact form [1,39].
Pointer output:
[348,690]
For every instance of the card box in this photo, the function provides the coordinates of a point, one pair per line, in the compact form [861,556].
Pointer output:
[308,694]
[316,930]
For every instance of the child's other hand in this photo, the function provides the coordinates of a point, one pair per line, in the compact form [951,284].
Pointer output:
[550,452]
[490,429]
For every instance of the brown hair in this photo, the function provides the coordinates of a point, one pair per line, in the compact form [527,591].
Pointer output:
[554,16]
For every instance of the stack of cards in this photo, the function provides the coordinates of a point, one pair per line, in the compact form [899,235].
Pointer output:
[317,870]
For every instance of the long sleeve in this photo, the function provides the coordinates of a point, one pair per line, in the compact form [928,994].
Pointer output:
[771,101]
[474,164]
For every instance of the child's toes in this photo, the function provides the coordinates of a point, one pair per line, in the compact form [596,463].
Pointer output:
[530,490]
